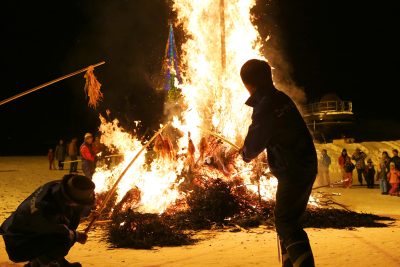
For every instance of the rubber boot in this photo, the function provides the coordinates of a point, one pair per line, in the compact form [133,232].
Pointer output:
[300,253]
[64,263]
[285,257]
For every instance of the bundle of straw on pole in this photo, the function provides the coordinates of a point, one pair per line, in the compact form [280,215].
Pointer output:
[92,88]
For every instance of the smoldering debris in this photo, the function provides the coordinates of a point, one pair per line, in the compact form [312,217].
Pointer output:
[218,204]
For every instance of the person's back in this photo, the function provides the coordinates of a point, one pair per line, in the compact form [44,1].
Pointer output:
[278,127]
[288,150]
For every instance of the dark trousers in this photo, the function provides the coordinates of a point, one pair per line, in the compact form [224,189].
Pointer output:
[291,202]
[88,168]
[73,167]
[48,247]
[61,164]
[370,181]
[360,173]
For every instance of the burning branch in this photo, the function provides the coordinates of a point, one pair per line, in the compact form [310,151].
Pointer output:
[112,190]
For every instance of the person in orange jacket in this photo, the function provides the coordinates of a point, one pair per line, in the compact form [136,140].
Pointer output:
[88,153]
[393,177]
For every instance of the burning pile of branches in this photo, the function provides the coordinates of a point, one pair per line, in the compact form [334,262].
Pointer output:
[215,203]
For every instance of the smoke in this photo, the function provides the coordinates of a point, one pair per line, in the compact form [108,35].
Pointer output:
[282,73]
[268,18]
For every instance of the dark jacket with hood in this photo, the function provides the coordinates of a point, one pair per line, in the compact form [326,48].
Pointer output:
[277,126]
[42,213]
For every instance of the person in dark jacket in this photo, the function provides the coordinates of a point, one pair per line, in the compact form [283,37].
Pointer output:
[88,154]
[396,159]
[43,228]
[370,174]
[359,157]
[60,153]
[73,154]
[278,127]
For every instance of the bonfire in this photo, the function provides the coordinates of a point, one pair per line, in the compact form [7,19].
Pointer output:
[195,177]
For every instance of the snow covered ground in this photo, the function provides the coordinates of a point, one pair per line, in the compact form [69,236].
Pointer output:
[19,176]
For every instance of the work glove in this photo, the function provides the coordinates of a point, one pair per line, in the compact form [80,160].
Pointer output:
[80,237]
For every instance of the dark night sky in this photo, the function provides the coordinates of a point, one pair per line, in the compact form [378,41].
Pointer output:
[332,46]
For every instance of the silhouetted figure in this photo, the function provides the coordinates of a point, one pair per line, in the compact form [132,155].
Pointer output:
[359,157]
[60,153]
[370,174]
[342,160]
[383,172]
[396,159]
[50,156]
[278,127]
[73,155]
[43,228]
[348,173]
[324,164]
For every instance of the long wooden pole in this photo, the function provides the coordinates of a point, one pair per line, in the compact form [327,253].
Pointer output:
[112,190]
[49,83]
[79,160]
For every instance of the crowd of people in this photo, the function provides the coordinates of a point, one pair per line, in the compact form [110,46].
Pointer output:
[87,153]
[387,172]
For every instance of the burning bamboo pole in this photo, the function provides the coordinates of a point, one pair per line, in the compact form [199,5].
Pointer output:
[114,187]
[221,138]
[49,83]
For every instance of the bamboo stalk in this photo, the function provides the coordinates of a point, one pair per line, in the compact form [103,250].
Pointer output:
[221,138]
[79,160]
[48,83]
[112,190]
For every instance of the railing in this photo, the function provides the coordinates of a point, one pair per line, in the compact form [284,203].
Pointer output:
[328,106]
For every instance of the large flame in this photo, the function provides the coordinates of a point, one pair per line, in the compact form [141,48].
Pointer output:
[157,183]
[212,87]
[220,39]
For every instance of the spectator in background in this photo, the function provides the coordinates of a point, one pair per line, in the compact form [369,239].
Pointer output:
[359,157]
[60,154]
[370,174]
[342,161]
[88,154]
[393,177]
[396,159]
[383,172]
[324,164]
[50,156]
[73,155]
[348,173]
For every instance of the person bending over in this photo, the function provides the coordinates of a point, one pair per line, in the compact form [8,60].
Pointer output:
[43,228]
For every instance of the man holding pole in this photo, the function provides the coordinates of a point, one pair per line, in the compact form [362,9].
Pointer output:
[88,154]
[278,127]
[43,228]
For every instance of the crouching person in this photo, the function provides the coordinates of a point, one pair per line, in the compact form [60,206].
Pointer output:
[43,228]
[278,127]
